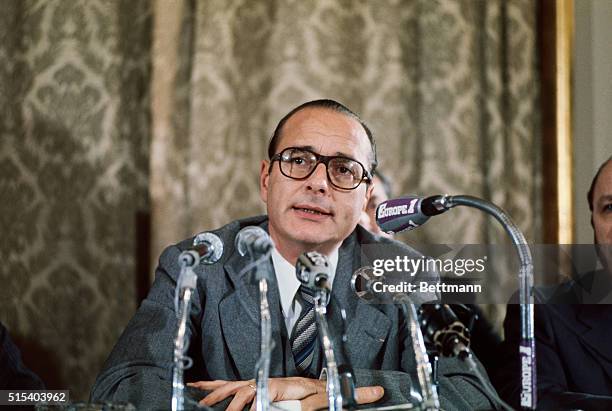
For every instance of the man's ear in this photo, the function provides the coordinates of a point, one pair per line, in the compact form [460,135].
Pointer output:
[264,180]
[368,195]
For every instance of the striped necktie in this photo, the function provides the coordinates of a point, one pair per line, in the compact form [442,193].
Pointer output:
[304,332]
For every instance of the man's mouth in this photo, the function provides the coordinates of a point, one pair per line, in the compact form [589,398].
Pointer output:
[312,210]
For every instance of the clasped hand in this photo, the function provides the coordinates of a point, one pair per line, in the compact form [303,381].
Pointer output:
[310,392]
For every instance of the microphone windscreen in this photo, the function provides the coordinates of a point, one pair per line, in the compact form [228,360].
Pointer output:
[310,267]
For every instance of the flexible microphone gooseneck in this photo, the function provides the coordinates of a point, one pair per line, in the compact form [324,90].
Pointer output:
[407,213]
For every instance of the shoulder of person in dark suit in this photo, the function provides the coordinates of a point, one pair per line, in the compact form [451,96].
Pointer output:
[561,328]
[13,373]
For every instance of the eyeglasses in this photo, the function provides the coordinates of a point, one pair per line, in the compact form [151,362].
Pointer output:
[342,172]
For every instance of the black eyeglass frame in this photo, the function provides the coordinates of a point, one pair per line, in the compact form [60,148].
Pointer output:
[366,176]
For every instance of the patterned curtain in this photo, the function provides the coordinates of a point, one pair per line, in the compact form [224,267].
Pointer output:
[74,151]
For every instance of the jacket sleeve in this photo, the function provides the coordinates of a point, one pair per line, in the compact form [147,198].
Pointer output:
[139,368]
[459,387]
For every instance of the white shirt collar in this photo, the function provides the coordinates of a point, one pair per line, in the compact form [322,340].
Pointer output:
[287,282]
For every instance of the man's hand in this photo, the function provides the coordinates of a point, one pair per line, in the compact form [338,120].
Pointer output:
[365,395]
[310,392]
[290,388]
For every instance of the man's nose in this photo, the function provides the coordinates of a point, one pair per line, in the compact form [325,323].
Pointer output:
[318,179]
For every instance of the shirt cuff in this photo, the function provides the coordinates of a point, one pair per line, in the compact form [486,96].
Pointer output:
[289,405]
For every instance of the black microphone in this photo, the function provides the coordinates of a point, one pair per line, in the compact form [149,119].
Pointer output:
[442,326]
[206,248]
[253,241]
[407,213]
[312,269]
[452,339]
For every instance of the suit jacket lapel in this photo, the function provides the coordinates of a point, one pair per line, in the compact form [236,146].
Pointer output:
[239,314]
[366,325]
[240,319]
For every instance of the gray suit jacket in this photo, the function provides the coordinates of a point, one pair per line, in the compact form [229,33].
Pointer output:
[223,330]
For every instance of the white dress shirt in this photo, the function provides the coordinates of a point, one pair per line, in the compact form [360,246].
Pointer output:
[288,285]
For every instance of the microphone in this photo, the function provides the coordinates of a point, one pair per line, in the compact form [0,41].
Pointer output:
[312,270]
[407,213]
[452,339]
[206,248]
[450,336]
[362,282]
[253,241]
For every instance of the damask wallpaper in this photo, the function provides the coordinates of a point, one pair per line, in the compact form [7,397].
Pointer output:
[449,88]
[74,98]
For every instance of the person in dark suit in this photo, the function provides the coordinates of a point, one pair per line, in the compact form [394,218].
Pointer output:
[315,186]
[572,321]
[14,375]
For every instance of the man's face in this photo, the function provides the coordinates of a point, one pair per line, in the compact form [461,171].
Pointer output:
[602,206]
[602,214]
[312,214]
[368,217]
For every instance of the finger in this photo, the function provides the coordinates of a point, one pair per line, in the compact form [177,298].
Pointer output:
[219,394]
[318,385]
[207,385]
[224,391]
[314,402]
[294,388]
[244,396]
[366,395]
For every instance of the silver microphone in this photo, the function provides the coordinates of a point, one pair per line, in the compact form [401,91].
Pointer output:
[312,269]
[253,241]
[362,282]
[207,248]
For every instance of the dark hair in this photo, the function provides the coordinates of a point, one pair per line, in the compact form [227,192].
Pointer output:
[592,189]
[325,104]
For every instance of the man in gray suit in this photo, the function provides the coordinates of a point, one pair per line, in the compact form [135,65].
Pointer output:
[315,185]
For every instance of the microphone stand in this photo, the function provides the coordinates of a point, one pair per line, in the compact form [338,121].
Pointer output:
[347,375]
[254,242]
[430,400]
[207,248]
[526,297]
[451,338]
[186,284]
[429,395]
[262,402]
[334,393]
